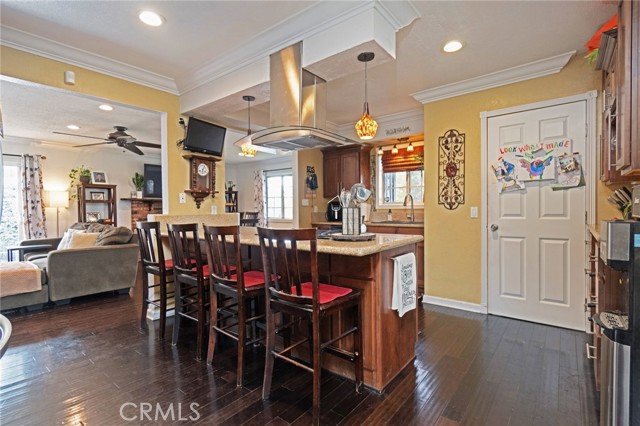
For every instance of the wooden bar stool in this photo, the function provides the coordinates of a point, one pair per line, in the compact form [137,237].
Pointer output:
[292,293]
[191,277]
[153,262]
[232,290]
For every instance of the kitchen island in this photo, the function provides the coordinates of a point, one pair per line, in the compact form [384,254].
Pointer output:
[389,341]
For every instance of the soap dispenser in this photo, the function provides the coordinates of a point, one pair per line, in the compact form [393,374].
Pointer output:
[389,215]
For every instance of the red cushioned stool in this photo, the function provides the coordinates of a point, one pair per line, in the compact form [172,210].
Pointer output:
[154,263]
[293,294]
[234,292]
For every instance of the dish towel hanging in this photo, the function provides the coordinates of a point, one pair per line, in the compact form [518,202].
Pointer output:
[404,283]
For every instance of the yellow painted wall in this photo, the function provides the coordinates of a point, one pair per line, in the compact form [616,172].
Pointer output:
[29,67]
[309,157]
[452,238]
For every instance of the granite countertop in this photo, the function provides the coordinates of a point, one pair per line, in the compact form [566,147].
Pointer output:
[382,242]
[392,224]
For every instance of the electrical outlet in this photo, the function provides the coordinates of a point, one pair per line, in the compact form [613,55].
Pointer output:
[305,202]
[474,212]
[183,198]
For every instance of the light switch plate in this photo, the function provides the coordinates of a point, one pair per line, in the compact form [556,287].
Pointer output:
[474,212]
[305,202]
[183,198]
[214,209]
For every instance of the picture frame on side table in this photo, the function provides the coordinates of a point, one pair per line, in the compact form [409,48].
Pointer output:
[97,196]
[93,216]
[99,177]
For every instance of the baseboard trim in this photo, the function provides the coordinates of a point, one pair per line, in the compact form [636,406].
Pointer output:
[455,304]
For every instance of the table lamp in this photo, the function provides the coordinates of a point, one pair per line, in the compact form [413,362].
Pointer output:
[58,200]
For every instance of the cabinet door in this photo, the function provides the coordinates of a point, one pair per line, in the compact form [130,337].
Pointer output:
[350,168]
[331,174]
[623,76]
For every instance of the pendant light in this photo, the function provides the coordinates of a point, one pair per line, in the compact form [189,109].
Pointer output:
[366,127]
[247,149]
[410,147]
[394,150]
[380,151]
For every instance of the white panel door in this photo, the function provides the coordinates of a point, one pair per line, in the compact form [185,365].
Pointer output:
[535,239]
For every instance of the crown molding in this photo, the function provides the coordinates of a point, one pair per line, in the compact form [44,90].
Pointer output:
[528,71]
[398,14]
[314,20]
[49,49]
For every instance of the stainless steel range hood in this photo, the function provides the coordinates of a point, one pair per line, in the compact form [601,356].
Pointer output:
[297,107]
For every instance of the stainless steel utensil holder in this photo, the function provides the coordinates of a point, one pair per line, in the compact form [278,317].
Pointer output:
[351,220]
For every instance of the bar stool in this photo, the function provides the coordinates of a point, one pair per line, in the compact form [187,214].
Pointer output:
[232,290]
[153,262]
[292,293]
[191,277]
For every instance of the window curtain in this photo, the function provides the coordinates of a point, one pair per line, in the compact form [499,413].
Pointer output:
[33,207]
[258,196]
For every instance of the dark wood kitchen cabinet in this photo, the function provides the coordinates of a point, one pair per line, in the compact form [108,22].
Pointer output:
[619,58]
[342,167]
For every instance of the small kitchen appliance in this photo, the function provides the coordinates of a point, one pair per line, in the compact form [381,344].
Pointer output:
[334,211]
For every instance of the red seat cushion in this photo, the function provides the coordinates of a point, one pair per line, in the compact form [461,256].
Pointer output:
[253,278]
[328,292]
[168,263]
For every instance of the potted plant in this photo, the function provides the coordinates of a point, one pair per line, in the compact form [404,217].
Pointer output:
[78,175]
[138,182]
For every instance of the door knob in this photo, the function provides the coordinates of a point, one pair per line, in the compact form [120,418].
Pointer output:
[494,227]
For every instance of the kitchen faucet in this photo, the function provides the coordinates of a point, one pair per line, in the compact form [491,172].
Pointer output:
[412,217]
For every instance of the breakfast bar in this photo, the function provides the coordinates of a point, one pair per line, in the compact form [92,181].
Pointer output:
[368,266]
[389,340]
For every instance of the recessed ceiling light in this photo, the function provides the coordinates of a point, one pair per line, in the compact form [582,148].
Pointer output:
[151,18]
[73,127]
[452,46]
[106,107]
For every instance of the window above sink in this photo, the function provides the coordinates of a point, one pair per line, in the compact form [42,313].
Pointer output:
[398,175]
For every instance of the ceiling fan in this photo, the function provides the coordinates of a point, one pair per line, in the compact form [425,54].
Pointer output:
[120,138]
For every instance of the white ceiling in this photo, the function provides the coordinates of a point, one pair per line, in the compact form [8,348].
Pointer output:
[200,38]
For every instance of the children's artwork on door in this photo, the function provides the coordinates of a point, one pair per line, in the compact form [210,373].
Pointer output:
[533,162]
[568,171]
[505,174]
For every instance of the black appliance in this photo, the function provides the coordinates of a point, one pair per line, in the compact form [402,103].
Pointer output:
[334,211]
[620,363]
[204,137]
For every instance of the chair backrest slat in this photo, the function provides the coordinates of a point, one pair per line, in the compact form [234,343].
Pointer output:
[281,260]
[185,248]
[223,255]
[149,239]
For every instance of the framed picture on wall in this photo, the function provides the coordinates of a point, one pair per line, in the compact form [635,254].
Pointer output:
[97,196]
[99,177]
[93,216]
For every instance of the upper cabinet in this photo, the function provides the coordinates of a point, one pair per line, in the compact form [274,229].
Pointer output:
[343,167]
[619,58]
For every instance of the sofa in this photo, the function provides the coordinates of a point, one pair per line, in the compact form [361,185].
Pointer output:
[74,272]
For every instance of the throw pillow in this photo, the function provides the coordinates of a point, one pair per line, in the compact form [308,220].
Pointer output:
[98,227]
[66,238]
[83,240]
[111,236]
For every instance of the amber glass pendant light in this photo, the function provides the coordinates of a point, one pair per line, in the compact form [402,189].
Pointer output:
[248,150]
[366,127]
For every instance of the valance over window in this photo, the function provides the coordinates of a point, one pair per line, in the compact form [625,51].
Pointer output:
[403,160]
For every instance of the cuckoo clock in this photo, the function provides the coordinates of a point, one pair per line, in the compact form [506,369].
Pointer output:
[202,177]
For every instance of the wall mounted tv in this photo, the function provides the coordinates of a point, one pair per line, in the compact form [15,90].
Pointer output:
[204,137]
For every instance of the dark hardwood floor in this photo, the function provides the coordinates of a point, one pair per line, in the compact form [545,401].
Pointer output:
[78,365]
